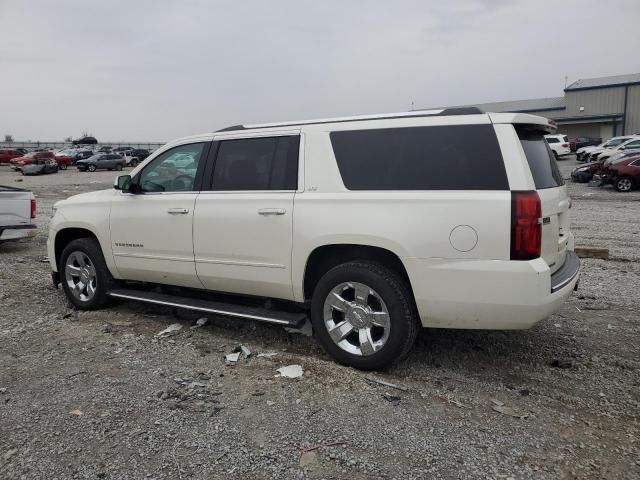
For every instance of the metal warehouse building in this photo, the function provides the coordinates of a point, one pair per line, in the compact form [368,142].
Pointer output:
[595,107]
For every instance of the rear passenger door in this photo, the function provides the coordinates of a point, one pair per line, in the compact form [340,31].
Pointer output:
[243,221]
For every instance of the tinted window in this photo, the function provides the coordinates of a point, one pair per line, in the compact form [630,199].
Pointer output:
[552,140]
[541,160]
[565,138]
[613,143]
[459,157]
[635,144]
[173,170]
[257,164]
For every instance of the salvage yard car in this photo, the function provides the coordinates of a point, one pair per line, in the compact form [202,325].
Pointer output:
[624,174]
[559,145]
[101,161]
[582,154]
[374,226]
[18,163]
[40,166]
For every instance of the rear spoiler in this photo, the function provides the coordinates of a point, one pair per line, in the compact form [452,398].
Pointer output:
[535,121]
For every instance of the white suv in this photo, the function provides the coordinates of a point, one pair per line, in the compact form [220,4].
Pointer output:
[373,226]
[559,145]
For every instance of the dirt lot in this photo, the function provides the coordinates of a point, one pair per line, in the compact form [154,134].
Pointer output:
[98,395]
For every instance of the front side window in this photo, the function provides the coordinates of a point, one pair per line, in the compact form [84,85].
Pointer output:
[173,170]
[635,144]
[615,142]
[257,164]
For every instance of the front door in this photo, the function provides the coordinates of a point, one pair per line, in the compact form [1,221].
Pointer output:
[151,231]
[243,223]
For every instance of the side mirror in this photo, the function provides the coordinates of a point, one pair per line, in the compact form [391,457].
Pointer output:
[123,183]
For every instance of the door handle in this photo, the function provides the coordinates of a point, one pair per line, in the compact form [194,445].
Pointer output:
[178,211]
[272,211]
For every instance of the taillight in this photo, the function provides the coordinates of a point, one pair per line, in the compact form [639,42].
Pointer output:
[565,145]
[526,225]
[33,208]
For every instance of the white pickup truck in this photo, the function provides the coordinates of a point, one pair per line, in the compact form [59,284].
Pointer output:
[17,213]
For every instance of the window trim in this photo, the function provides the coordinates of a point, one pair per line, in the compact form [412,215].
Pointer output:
[207,185]
[197,183]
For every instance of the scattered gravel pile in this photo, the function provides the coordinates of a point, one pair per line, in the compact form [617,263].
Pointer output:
[91,395]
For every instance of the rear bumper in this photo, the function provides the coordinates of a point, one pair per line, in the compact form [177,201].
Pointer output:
[488,294]
[14,232]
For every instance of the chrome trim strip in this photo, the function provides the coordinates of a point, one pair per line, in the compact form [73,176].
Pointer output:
[152,257]
[239,264]
[200,309]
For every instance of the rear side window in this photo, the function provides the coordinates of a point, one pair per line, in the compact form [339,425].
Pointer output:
[541,160]
[552,140]
[565,138]
[257,164]
[456,157]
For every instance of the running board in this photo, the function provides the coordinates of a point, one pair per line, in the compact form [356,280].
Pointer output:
[219,308]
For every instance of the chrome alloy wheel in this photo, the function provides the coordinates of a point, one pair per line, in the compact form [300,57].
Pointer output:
[80,275]
[624,184]
[356,318]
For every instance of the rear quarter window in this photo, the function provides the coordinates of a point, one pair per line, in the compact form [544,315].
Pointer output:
[542,163]
[456,157]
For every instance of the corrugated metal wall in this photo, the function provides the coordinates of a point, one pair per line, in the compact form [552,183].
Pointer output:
[600,101]
[633,109]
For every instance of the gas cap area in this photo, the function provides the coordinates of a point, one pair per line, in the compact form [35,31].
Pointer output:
[463,238]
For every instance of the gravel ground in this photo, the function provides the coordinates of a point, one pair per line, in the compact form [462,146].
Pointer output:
[99,395]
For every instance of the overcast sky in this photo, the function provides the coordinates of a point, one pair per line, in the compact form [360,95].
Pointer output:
[155,70]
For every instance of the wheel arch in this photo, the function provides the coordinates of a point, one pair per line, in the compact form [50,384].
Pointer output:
[323,258]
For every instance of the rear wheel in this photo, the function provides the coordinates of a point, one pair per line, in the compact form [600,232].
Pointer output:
[134,163]
[91,168]
[118,167]
[363,315]
[624,184]
[84,274]
[62,166]
[555,155]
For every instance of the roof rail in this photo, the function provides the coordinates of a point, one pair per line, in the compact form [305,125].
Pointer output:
[356,118]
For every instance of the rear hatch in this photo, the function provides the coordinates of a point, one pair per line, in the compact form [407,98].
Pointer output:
[553,195]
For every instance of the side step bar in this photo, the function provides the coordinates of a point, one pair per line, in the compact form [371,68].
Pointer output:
[220,308]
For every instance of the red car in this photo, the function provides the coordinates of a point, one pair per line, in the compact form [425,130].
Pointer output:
[18,163]
[7,154]
[624,175]
[64,161]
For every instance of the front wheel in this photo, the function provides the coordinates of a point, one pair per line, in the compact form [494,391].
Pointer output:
[624,184]
[91,168]
[62,166]
[134,163]
[84,274]
[364,315]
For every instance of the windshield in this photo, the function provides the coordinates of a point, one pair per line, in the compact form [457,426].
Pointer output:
[615,141]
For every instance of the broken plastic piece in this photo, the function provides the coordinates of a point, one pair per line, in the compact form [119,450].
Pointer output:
[174,327]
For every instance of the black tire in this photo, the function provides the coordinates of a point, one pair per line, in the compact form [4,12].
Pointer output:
[105,282]
[118,168]
[134,163]
[624,184]
[62,166]
[91,168]
[555,154]
[395,293]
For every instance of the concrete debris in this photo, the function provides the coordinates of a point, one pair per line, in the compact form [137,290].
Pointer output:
[268,354]
[76,412]
[391,398]
[290,371]
[245,351]
[201,322]
[171,329]
[503,409]
[497,403]
[386,384]
[3,390]
[232,357]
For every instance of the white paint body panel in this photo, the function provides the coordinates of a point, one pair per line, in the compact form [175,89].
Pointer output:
[224,244]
